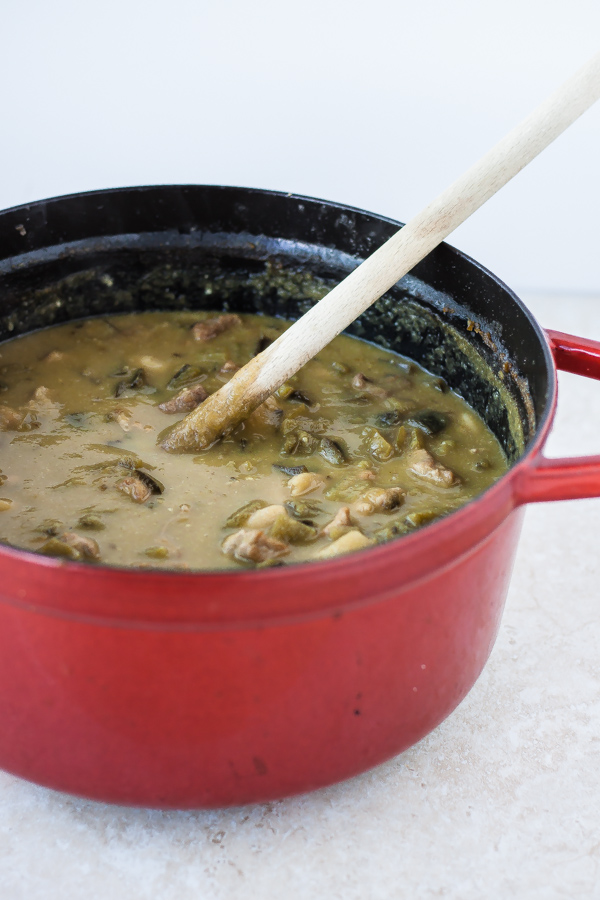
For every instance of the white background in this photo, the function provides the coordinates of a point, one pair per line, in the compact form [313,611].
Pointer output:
[376,104]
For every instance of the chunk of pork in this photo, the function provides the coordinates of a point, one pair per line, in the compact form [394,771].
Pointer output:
[253,545]
[423,464]
[210,328]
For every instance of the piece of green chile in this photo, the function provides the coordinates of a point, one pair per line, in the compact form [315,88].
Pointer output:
[292,531]
[157,552]
[184,377]
[50,527]
[414,438]
[241,515]
[391,531]
[91,522]
[298,443]
[405,525]
[420,517]
[284,391]
[299,397]
[387,419]
[332,452]
[150,481]
[55,547]
[347,489]
[290,470]
[303,509]
[133,382]
[378,447]
[428,420]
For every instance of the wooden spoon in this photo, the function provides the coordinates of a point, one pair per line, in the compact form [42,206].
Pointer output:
[257,380]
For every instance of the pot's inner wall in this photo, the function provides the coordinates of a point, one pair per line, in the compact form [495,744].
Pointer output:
[441,316]
[181,278]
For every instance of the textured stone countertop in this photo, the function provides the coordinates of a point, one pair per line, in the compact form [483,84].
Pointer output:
[501,801]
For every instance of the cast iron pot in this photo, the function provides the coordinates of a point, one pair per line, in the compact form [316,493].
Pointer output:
[190,690]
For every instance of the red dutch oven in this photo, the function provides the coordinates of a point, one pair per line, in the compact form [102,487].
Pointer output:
[215,688]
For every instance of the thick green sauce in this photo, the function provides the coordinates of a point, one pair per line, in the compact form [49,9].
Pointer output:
[69,443]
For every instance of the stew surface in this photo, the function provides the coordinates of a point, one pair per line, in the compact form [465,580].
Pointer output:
[361,446]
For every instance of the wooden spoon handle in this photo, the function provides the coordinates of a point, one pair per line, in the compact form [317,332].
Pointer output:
[265,373]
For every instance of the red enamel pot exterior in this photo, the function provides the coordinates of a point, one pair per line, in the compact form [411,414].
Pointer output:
[181,690]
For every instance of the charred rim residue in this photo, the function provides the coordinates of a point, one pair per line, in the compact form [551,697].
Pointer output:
[413,319]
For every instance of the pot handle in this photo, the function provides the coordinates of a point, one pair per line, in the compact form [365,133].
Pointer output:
[576,477]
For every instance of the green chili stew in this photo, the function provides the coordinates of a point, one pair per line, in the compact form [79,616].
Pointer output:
[362,446]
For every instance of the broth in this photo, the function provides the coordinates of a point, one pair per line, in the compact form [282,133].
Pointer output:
[361,446]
